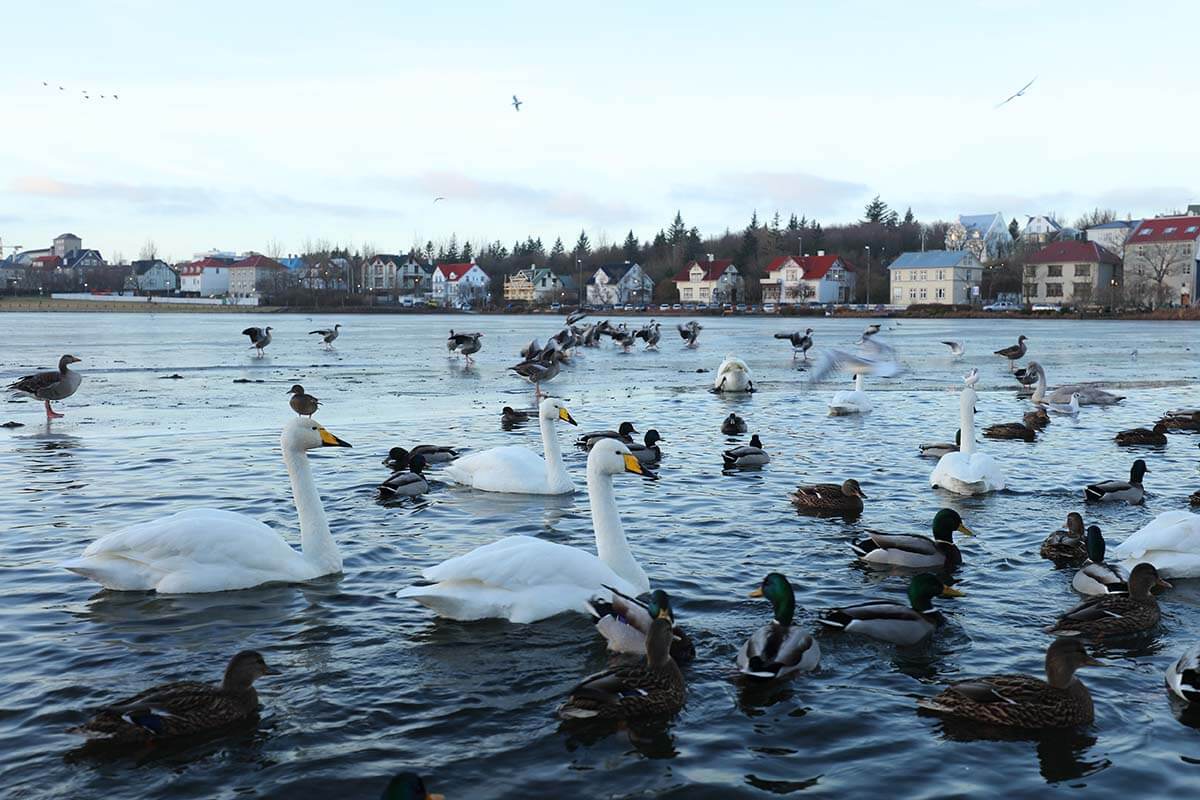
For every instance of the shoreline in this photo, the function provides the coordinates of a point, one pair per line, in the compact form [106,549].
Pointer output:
[33,304]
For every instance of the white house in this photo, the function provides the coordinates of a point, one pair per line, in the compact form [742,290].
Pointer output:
[205,277]
[1112,235]
[985,235]
[618,284]
[396,275]
[793,280]
[153,275]
[1161,259]
[1071,272]
[1040,229]
[715,280]
[946,277]
[459,283]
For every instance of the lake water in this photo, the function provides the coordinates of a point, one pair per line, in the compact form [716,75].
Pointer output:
[372,685]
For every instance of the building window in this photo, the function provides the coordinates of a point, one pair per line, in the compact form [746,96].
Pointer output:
[1054,271]
[1171,229]
[898,294]
[941,294]
[1054,290]
[912,294]
[924,294]
[1031,272]
[687,294]
[941,275]
[923,273]
[1083,270]
[1082,292]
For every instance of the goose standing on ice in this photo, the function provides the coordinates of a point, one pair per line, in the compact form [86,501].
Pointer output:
[690,333]
[302,402]
[466,344]
[56,384]
[1014,352]
[259,338]
[801,342]
[327,335]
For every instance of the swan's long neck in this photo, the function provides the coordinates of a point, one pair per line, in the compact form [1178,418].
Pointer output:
[611,545]
[858,382]
[966,421]
[1039,391]
[316,542]
[556,470]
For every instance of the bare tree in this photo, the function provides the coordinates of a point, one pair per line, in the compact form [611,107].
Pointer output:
[1097,216]
[1162,260]
[274,249]
[149,251]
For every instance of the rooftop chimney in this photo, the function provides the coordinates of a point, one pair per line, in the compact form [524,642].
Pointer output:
[710,258]
[820,252]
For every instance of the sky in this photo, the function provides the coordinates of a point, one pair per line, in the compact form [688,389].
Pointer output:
[242,125]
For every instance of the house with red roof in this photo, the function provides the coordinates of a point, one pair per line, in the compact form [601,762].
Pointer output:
[791,280]
[1070,273]
[713,280]
[256,274]
[204,277]
[1161,258]
[460,284]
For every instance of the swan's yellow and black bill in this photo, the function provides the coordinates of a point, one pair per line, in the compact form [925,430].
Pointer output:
[638,468]
[757,592]
[950,591]
[329,440]
[565,416]
[962,528]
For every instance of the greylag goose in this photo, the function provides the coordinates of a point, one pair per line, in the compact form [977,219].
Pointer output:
[259,338]
[56,384]
[327,335]
[1014,352]
[801,342]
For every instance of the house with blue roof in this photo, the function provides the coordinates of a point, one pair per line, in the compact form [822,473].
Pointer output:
[944,277]
[985,235]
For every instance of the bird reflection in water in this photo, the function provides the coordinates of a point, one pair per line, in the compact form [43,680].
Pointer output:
[1060,752]
[652,738]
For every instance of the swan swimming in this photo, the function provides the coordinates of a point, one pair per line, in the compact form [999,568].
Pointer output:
[1171,542]
[847,402]
[967,471]
[518,470]
[526,579]
[210,550]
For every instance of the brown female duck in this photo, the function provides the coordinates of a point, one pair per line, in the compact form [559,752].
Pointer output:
[1067,547]
[1111,615]
[653,688]
[1156,436]
[829,498]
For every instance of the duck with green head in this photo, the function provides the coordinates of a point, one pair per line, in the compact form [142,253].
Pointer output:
[1097,577]
[916,552]
[653,688]
[625,621]
[1114,615]
[889,621]
[408,786]
[779,648]
[1022,701]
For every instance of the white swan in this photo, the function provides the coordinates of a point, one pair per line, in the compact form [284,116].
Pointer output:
[519,470]
[209,550]
[967,471]
[525,579]
[733,376]
[845,403]
[1171,542]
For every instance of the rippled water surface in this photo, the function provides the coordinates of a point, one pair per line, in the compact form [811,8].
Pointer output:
[372,684]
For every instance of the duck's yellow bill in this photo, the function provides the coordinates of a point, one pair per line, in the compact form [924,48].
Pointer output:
[565,416]
[950,591]
[757,592]
[329,440]
[962,528]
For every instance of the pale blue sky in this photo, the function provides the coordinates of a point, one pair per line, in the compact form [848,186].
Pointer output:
[242,122]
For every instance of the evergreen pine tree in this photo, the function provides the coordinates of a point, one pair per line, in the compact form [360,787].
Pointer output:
[793,225]
[677,232]
[776,222]
[909,219]
[754,220]
[583,248]
[558,253]
[452,249]
[630,248]
[693,247]
[467,252]
[1014,229]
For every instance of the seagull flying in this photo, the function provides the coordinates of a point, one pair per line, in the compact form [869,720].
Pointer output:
[517,103]
[956,348]
[1020,93]
[438,198]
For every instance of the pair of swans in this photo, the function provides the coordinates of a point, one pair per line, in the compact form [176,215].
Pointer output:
[967,471]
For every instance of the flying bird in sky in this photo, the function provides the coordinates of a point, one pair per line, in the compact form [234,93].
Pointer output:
[438,198]
[1020,93]
[517,103]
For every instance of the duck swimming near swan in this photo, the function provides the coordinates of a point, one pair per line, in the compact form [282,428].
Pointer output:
[1130,491]
[209,550]
[733,425]
[518,470]
[1096,577]
[779,648]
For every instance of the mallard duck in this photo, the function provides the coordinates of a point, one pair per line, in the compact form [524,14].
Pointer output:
[940,449]
[1096,577]
[1182,419]
[650,452]
[302,403]
[408,482]
[778,649]
[1036,419]
[408,786]
[1130,491]
[1022,701]
[1067,547]
[623,433]
[1183,676]
[625,621]
[651,689]
[1194,499]
[1156,436]
[186,708]
[916,552]
[511,416]
[829,497]
[751,455]
[1115,614]
[733,425]
[56,384]
[434,454]
[1014,352]
[1010,430]
[889,621]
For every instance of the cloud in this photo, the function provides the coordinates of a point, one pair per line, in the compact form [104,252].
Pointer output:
[181,200]
[459,188]
[802,191]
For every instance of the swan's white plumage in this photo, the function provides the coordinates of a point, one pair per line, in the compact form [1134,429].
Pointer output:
[210,550]
[524,579]
[519,470]
[967,471]
[733,376]
[853,401]
[1171,542]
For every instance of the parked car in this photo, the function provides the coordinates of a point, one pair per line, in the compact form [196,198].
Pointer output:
[627,307]
[556,307]
[676,307]
[768,308]
[1005,306]
[1042,307]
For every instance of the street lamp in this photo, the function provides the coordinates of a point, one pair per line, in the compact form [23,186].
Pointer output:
[868,248]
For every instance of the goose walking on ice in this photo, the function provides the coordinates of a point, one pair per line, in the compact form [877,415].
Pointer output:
[327,335]
[210,550]
[801,342]
[259,338]
[466,344]
[690,333]
[50,385]
[1014,352]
